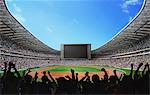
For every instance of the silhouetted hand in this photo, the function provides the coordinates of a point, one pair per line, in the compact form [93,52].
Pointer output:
[76,74]
[146,64]
[72,71]
[67,76]
[88,79]
[140,64]
[87,74]
[103,69]
[36,73]
[114,71]
[124,74]
[29,70]
[36,76]
[5,64]
[10,64]
[48,72]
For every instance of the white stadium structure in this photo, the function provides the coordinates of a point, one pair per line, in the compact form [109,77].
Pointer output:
[130,45]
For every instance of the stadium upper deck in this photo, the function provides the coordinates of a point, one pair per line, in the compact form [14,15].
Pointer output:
[13,30]
[135,31]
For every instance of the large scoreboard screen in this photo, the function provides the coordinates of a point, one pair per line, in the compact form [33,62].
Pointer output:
[81,51]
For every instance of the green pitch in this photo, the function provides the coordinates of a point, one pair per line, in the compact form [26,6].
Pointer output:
[76,68]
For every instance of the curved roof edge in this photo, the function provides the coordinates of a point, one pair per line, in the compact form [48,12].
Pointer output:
[16,32]
[134,31]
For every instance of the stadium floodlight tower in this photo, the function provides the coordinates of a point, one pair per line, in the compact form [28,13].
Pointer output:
[76,51]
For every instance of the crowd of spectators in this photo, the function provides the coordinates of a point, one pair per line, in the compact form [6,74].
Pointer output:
[24,63]
[124,62]
[8,46]
[136,46]
[142,44]
[21,56]
[30,61]
[135,83]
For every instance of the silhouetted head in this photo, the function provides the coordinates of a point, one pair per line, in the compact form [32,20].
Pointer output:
[45,79]
[95,78]
[105,77]
[61,80]
[112,79]
[44,72]
[5,62]
[28,78]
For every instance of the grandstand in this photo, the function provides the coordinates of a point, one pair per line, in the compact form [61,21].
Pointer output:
[129,47]
[130,44]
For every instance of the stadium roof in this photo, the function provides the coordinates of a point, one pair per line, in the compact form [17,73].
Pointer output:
[136,30]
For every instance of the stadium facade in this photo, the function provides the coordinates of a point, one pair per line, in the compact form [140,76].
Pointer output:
[130,45]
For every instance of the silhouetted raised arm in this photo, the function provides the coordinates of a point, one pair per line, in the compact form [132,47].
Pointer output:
[116,76]
[28,71]
[88,79]
[86,75]
[73,75]
[147,65]
[77,77]
[51,76]
[5,69]
[35,77]
[106,75]
[131,71]
[68,77]
[9,68]
[143,72]
[120,77]
[14,67]
[137,71]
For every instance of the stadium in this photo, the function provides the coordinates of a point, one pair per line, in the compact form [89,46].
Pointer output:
[130,46]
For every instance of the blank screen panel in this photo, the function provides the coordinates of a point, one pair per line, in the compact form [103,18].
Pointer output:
[75,51]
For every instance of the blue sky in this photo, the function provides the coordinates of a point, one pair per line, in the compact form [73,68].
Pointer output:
[57,22]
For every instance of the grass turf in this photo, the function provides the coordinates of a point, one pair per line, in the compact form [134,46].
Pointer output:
[63,68]
[76,68]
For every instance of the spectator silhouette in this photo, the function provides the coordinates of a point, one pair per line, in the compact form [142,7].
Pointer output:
[10,81]
[45,87]
[26,84]
[135,83]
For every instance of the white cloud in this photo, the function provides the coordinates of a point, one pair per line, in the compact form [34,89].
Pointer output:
[50,30]
[17,13]
[130,18]
[127,3]
[16,8]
